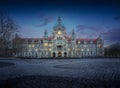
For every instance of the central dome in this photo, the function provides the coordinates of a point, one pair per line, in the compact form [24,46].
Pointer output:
[59,25]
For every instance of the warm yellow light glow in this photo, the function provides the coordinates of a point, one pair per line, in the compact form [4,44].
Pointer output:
[99,46]
[50,44]
[33,45]
[59,32]
[45,44]
[68,49]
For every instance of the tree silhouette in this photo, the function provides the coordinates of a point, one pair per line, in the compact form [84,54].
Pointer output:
[113,50]
[8,28]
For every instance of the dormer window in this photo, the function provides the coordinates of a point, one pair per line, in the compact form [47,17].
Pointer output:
[78,42]
[91,42]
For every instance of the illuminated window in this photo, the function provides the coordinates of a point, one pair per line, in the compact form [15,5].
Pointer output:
[78,42]
[68,49]
[45,44]
[81,49]
[29,50]
[36,50]
[29,45]
[50,44]
[49,49]
[85,45]
[88,50]
[33,45]
[99,46]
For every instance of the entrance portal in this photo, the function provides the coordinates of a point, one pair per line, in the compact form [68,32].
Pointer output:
[65,54]
[59,54]
[54,54]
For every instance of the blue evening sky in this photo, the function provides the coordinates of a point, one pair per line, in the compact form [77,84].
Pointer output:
[89,18]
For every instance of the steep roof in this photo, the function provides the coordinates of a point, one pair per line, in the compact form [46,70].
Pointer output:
[88,40]
[32,38]
[67,37]
[50,38]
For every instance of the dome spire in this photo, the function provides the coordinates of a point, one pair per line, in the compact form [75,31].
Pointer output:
[73,34]
[45,33]
[59,19]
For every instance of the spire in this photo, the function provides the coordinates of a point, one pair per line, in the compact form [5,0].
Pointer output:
[59,19]
[99,37]
[73,34]
[45,33]
[16,35]
[59,24]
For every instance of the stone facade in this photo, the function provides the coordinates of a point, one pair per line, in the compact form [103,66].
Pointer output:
[58,45]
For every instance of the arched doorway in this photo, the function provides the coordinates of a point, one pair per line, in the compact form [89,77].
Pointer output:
[59,54]
[54,54]
[65,54]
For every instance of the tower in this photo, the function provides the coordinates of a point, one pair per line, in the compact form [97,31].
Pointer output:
[100,48]
[45,34]
[73,43]
[73,35]
[45,44]
[59,20]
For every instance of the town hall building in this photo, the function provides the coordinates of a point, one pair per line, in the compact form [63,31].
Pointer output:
[58,45]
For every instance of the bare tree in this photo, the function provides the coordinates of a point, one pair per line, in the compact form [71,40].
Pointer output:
[8,28]
[113,50]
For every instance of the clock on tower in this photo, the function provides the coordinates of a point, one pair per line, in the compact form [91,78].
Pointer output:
[59,32]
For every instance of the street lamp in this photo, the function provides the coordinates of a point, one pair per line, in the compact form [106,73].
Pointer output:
[107,50]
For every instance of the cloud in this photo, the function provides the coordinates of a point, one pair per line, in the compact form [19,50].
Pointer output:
[112,35]
[89,31]
[44,20]
[82,27]
[92,28]
[117,18]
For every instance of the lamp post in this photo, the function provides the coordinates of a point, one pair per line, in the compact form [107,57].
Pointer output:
[107,50]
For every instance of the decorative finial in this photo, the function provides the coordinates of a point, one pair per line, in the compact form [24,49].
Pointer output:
[45,33]
[59,19]
[99,36]
[73,34]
